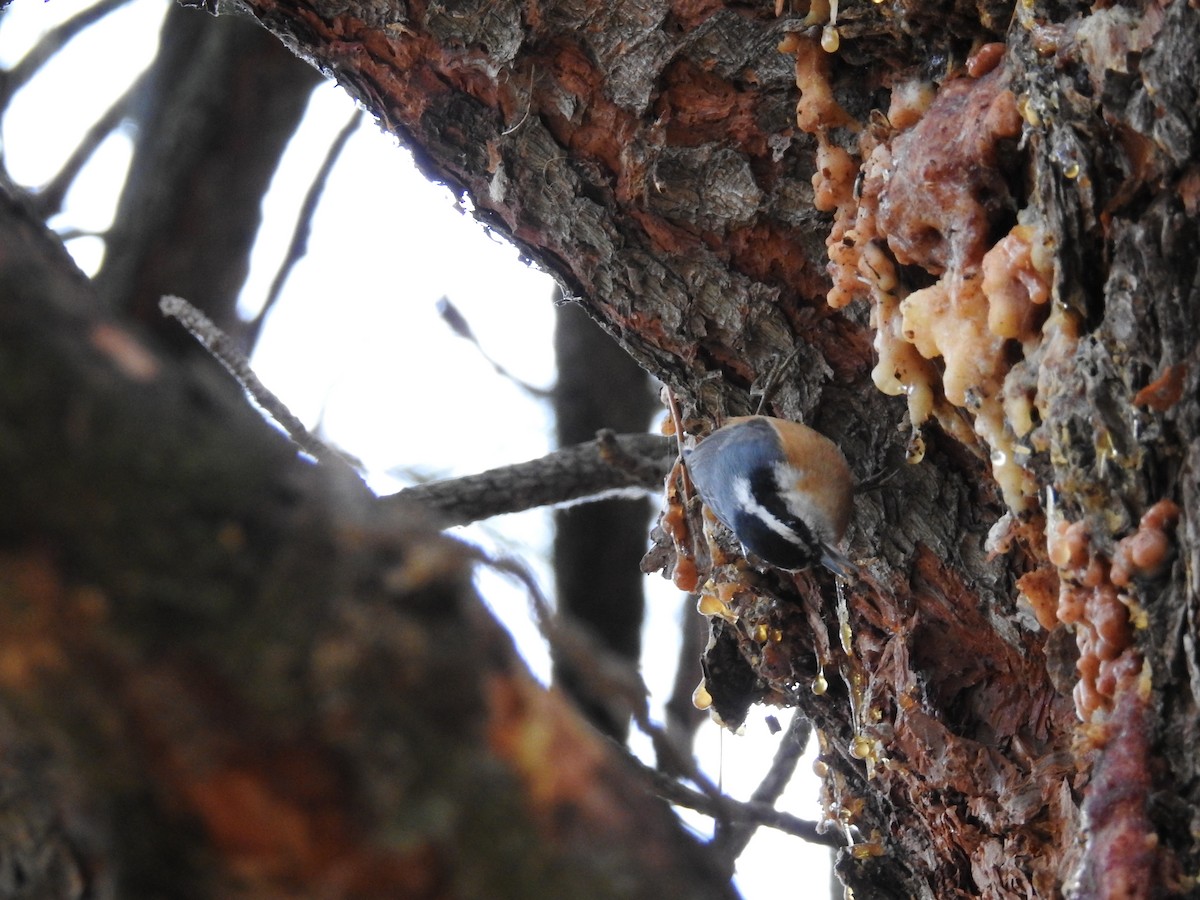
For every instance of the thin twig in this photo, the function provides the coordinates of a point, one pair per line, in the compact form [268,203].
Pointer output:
[731,841]
[222,348]
[773,378]
[458,323]
[609,675]
[51,42]
[750,813]
[677,424]
[298,247]
[673,760]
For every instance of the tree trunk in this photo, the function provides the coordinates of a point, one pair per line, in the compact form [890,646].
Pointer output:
[213,113]
[987,211]
[598,546]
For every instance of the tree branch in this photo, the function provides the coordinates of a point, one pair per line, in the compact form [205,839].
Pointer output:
[732,840]
[48,199]
[609,464]
[222,348]
[53,41]
[752,813]
[298,246]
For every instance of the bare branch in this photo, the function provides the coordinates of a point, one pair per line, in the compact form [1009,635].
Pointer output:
[48,199]
[749,813]
[458,323]
[731,841]
[53,41]
[596,468]
[222,348]
[585,471]
[300,234]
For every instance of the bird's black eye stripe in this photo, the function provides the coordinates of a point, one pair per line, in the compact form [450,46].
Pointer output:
[764,488]
[773,547]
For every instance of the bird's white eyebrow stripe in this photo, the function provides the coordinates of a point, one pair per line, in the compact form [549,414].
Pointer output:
[745,498]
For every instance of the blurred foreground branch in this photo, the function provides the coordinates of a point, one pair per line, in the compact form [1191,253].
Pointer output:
[245,677]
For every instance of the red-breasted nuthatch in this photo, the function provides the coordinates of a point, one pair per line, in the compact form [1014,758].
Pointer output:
[784,490]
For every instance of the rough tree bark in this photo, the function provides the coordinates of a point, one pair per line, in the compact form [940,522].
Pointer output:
[1000,201]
